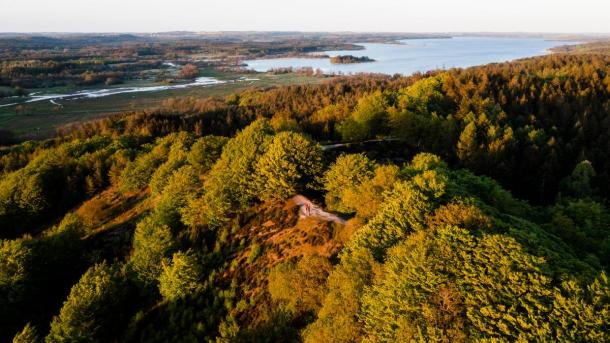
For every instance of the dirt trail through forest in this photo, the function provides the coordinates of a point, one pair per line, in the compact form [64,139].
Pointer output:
[309,209]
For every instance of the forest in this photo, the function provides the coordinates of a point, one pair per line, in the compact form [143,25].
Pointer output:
[456,205]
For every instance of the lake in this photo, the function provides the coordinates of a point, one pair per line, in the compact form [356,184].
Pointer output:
[420,55]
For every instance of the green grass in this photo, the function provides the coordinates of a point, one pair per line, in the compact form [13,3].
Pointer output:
[40,119]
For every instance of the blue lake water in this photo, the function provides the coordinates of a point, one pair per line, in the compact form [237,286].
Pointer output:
[421,55]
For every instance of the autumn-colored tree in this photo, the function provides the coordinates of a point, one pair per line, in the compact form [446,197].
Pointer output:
[189,71]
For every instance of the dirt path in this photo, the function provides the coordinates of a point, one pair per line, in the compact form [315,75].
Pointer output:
[340,145]
[309,209]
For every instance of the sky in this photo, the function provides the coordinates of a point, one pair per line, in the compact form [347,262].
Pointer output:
[565,16]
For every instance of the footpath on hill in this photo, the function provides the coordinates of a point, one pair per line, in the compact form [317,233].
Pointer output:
[309,209]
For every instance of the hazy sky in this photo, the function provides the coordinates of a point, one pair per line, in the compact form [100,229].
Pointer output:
[305,15]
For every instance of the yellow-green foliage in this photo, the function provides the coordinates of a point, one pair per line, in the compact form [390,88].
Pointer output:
[27,335]
[404,211]
[450,284]
[426,161]
[15,257]
[347,172]
[365,199]
[326,118]
[449,272]
[282,121]
[420,117]
[176,157]
[230,185]
[181,277]
[152,244]
[291,163]
[423,97]
[205,152]
[300,287]
[181,187]
[368,119]
[461,213]
[93,310]
[137,174]
[338,317]
[53,180]
[581,313]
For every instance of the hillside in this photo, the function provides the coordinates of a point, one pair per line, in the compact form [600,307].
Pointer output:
[459,205]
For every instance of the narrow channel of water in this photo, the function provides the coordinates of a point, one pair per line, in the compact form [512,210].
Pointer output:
[98,93]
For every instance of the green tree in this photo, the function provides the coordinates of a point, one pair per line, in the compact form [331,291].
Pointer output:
[35,273]
[451,285]
[580,183]
[291,163]
[152,244]
[369,118]
[404,211]
[137,174]
[182,277]
[205,152]
[581,314]
[467,146]
[347,172]
[15,260]
[366,198]
[181,187]
[424,97]
[159,178]
[95,310]
[230,186]
[338,318]
[300,287]
[584,225]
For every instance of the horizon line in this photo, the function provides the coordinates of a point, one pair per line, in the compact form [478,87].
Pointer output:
[309,31]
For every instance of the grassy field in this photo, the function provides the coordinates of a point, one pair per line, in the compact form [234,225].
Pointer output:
[40,119]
